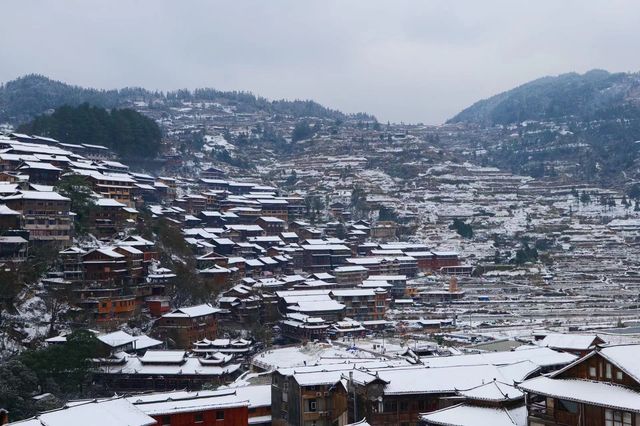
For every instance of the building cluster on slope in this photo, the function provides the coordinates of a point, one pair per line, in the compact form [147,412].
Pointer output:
[333,256]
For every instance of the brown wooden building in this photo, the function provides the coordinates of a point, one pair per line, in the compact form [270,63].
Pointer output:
[46,215]
[181,327]
[601,388]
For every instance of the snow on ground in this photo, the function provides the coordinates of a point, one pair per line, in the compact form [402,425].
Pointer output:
[217,141]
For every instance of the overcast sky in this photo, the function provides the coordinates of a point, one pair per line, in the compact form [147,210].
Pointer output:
[412,61]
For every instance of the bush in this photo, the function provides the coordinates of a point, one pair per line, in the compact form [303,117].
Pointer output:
[464,229]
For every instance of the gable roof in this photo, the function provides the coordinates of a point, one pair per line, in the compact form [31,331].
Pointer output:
[494,391]
[602,394]
[470,415]
[192,311]
[580,342]
[97,413]
[625,357]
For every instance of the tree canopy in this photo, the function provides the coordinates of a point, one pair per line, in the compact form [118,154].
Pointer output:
[127,132]
[302,130]
[82,204]
[463,229]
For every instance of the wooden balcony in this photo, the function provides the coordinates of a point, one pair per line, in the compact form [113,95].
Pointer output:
[551,416]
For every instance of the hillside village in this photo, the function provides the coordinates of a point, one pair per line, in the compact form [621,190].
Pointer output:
[287,270]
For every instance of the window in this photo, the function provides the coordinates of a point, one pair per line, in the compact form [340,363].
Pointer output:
[619,375]
[608,374]
[313,406]
[592,372]
[219,415]
[569,406]
[166,420]
[617,418]
[390,407]
[198,418]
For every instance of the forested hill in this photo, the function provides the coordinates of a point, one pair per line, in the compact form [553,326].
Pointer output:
[26,97]
[594,95]
[585,127]
[129,133]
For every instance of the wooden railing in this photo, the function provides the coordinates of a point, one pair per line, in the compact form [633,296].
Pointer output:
[559,417]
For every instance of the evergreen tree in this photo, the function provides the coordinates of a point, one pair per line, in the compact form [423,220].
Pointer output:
[301,131]
[127,132]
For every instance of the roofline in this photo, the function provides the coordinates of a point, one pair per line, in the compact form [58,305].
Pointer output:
[440,423]
[582,401]
[572,364]
[633,376]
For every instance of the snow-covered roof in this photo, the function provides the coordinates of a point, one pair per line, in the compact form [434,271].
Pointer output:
[341,247]
[585,391]
[117,338]
[192,311]
[468,415]
[4,210]
[375,284]
[190,366]
[271,219]
[353,292]
[109,251]
[292,358]
[582,342]
[109,202]
[40,166]
[543,357]
[258,396]
[494,391]
[35,148]
[357,268]
[624,357]
[96,413]
[254,262]
[135,240]
[144,342]
[519,371]
[37,195]
[421,380]
[38,187]
[183,402]
[388,277]
[163,356]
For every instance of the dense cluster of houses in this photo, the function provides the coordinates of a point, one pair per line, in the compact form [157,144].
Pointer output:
[270,262]
[250,240]
[533,384]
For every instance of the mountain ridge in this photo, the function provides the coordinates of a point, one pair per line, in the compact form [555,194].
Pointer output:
[583,126]
[566,96]
[26,97]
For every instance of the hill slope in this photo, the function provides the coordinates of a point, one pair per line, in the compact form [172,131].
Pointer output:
[581,127]
[26,97]
[581,97]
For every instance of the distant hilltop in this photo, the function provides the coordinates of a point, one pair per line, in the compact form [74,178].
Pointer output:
[26,97]
[581,97]
[582,126]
